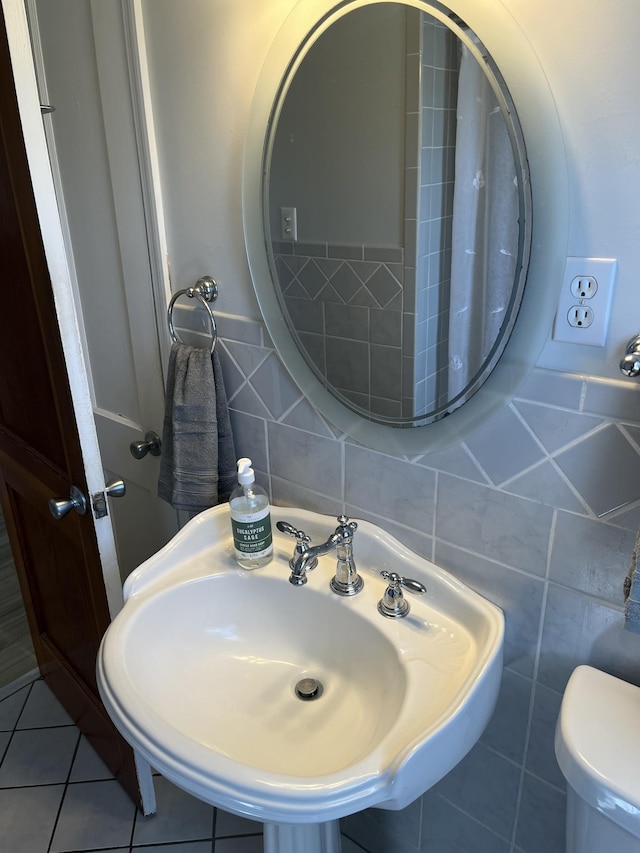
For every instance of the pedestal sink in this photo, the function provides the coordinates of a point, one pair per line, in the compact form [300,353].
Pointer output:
[290,704]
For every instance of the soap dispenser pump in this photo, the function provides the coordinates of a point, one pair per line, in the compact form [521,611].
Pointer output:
[250,520]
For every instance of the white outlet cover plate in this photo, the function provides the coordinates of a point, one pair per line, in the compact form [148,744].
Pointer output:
[595,335]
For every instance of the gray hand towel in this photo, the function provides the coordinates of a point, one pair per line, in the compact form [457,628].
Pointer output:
[197,443]
[227,464]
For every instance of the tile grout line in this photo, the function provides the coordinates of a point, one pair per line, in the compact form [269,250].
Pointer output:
[472,818]
[133,827]
[534,679]
[64,792]
[214,822]
[24,704]
[15,725]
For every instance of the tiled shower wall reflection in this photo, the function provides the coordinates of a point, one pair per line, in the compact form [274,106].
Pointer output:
[347,304]
[514,512]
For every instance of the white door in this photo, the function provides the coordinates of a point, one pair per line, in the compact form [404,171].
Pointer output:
[84,73]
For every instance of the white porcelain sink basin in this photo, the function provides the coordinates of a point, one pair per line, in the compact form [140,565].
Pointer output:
[199,672]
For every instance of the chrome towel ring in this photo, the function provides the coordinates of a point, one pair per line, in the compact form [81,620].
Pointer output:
[205,291]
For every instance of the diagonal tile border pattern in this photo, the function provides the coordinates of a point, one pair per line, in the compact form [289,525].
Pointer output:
[536,448]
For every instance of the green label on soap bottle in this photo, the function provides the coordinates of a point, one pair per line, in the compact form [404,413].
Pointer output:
[253,538]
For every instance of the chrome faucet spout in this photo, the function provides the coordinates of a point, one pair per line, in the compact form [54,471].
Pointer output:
[298,574]
[346,580]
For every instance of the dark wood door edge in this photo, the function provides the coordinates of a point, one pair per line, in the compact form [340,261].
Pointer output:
[91,717]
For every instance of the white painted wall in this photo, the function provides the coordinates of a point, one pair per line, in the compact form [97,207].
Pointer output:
[338,155]
[588,52]
[205,59]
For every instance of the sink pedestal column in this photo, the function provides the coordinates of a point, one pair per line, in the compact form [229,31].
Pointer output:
[310,837]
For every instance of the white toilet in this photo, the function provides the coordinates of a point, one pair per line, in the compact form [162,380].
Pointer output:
[598,750]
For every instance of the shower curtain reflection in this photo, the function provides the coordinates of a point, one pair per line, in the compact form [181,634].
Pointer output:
[485,226]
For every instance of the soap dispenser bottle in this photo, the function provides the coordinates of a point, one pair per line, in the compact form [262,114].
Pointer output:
[250,520]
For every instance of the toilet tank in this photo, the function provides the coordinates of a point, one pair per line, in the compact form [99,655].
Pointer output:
[591,831]
[598,750]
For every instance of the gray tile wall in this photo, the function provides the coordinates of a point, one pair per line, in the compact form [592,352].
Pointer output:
[532,512]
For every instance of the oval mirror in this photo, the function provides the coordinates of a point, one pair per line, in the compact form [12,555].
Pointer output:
[397,211]
[393,237]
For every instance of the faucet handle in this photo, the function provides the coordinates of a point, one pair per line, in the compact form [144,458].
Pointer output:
[302,543]
[290,530]
[393,603]
[407,583]
[345,527]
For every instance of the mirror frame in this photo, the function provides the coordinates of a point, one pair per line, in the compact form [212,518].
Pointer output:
[535,106]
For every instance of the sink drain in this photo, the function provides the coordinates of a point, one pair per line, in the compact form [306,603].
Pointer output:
[308,688]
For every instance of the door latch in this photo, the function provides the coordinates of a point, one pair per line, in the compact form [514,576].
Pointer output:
[112,489]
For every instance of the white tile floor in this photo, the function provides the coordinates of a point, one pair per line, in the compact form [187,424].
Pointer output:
[56,796]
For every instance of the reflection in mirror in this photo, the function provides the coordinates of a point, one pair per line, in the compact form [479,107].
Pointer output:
[397,211]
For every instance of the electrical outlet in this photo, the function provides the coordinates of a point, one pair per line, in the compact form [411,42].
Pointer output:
[584,287]
[585,301]
[288,224]
[580,317]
